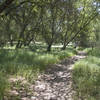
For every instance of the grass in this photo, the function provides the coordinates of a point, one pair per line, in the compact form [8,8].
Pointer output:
[28,63]
[3,84]
[86,78]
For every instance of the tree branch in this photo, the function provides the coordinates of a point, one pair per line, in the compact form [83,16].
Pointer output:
[82,28]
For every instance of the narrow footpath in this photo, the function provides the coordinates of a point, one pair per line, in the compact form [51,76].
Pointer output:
[54,84]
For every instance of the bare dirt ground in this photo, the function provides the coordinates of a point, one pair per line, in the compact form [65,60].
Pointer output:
[54,84]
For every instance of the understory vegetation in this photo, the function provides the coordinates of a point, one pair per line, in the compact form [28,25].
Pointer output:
[27,63]
[34,34]
[86,77]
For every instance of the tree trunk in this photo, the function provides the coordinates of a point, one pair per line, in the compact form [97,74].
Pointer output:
[64,46]
[49,48]
[21,36]
[28,42]
[11,43]
[19,44]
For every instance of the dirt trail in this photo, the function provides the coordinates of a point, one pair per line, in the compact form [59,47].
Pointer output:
[56,82]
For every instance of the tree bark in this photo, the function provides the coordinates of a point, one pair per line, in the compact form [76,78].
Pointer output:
[11,42]
[64,47]
[49,48]
[19,44]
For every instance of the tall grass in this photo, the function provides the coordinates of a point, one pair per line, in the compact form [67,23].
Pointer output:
[27,63]
[86,78]
[95,52]
[3,84]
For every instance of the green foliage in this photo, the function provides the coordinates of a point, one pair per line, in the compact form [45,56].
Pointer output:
[87,50]
[95,52]
[86,77]
[43,20]
[47,21]
[15,59]
[93,59]
[64,54]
